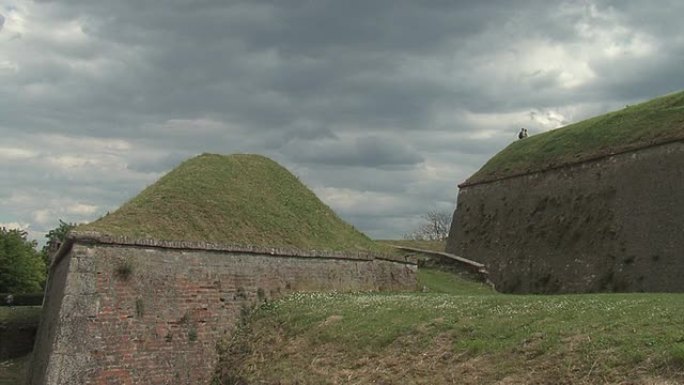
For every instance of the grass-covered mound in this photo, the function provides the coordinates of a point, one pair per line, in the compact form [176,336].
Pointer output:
[460,333]
[244,200]
[656,121]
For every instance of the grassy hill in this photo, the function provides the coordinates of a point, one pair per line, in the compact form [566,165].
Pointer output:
[460,333]
[245,200]
[656,121]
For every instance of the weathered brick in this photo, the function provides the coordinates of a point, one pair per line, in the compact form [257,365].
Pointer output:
[160,323]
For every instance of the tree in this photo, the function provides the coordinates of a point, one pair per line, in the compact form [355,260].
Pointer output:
[21,268]
[434,228]
[55,238]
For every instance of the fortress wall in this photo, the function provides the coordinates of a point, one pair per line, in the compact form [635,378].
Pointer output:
[50,320]
[152,315]
[612,224]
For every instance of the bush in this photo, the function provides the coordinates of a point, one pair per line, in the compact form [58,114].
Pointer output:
[21,268]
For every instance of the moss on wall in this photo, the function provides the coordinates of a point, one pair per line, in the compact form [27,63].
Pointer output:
[613,224]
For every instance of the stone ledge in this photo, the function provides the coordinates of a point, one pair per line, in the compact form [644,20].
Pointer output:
[93,237]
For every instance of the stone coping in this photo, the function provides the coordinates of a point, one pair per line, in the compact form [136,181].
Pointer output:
[475,265]
[571,163]
[94,237]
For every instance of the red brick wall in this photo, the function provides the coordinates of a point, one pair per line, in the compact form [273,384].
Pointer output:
[150,315]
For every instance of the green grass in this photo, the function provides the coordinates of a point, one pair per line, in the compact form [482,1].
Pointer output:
[20,315]
[466,337]
[438,281]
[655,121]
[246,200]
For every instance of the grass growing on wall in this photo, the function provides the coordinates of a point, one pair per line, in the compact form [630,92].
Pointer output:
[468,337]
[634,126]
[236,199]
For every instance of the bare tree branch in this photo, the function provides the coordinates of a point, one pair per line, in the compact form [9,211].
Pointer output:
[434,228]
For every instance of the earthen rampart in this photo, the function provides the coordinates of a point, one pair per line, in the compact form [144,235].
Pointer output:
[123,311]
[609,224]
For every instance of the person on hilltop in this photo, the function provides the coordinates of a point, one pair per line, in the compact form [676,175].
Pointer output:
[523,133]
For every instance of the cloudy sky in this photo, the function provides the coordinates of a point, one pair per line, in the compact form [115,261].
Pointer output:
[380,106]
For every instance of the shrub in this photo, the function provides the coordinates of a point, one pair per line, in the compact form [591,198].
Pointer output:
[124,270]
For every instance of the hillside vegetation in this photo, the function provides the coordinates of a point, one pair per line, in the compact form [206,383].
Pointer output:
[244,200]
[469,335]
[656,121]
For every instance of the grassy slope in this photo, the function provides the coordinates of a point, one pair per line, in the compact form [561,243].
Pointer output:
[465,338]
[654,121]
[236,199]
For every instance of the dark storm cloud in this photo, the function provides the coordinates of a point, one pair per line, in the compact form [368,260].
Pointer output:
[381,106]
[268,63]
[264,64]
[368,151]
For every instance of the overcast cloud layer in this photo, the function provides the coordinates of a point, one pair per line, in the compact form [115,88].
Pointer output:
[381,107]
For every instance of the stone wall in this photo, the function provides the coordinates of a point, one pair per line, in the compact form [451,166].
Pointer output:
[141,314]
[610,224]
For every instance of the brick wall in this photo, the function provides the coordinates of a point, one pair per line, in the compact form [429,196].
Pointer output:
[140,314]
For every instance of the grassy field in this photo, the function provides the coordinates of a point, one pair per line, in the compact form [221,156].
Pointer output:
[246,200]
[460,333]
[658,120]
[438,281]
